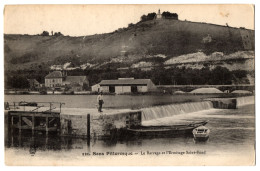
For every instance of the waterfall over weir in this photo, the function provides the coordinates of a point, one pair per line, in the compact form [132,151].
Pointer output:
[174,109]
[241,101]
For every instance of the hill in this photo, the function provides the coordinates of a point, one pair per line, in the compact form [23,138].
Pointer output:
[164,39]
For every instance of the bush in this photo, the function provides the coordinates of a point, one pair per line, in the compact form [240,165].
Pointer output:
[45,33]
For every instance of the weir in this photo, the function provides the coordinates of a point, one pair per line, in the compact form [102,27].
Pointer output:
[185,108]
[174,109]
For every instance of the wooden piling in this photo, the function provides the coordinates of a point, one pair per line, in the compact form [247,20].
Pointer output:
[33,123]
[88,126]
[20,123]
[12,124]
[47,125]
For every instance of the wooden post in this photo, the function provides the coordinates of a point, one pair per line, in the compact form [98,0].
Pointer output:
[88,126]
[20,123]
[20,140]
[47,125]
[12,125]
[33,124]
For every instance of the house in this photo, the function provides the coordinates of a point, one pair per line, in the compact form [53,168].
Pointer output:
[54,79]
[57,79]
[76,83]
[127,85]
[95,88]
[34,84]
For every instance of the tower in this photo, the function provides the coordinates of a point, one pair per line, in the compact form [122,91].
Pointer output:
[159,15]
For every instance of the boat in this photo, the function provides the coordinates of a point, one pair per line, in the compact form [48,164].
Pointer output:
[201,133]
[23,103]
[165,131]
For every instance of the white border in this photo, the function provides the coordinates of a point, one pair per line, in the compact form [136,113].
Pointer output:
[4,2]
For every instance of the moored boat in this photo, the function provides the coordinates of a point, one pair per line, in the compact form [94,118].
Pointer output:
[201,133]
[165,131]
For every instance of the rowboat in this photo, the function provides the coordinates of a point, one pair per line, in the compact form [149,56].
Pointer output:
[165,131]
[201,133]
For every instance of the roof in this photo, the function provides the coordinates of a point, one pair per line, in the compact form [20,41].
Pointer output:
[54,74]
[75,79]
[33,81]
[126,82]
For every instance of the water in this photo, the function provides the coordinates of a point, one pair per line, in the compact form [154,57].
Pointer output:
[232,135]
[232,139]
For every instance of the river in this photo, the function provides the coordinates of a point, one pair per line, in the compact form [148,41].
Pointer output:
[232,138]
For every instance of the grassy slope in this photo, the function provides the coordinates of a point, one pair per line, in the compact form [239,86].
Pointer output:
[169,37]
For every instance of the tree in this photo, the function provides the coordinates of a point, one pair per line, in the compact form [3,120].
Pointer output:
[147,17]
[58,34]
[169,15]
[45,33]
[18,81]
[130,25]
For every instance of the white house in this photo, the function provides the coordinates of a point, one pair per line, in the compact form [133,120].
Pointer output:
[53,79]
[127,85]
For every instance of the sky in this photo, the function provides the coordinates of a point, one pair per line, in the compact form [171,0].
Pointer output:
[81,20]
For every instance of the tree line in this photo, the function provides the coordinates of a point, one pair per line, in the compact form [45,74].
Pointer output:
[159,75]
[46,33]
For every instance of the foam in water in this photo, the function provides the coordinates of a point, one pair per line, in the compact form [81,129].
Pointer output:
[181,119]
[174,109]
[241,101]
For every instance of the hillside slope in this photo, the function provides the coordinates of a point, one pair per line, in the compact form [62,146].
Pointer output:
[169,38]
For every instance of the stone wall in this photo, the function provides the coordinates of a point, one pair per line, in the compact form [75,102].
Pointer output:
[100,125]
[73,125]
[224,103]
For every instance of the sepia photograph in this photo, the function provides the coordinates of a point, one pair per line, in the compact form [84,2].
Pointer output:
[129,85]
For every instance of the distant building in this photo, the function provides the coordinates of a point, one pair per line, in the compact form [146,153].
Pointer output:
[95,88]
[127,85]
[58,79]
[34,84]
[76,83]
[158,15]
[54,79]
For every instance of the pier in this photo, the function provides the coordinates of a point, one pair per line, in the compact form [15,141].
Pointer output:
[78,122]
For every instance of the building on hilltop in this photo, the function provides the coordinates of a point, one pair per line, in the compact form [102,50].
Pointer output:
[166,15]
[158,15]
[60,79]
[125,85]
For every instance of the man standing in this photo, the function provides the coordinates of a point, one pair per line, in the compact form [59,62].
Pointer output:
[100,101]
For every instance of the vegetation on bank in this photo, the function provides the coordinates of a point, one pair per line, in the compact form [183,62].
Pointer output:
[159,75]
